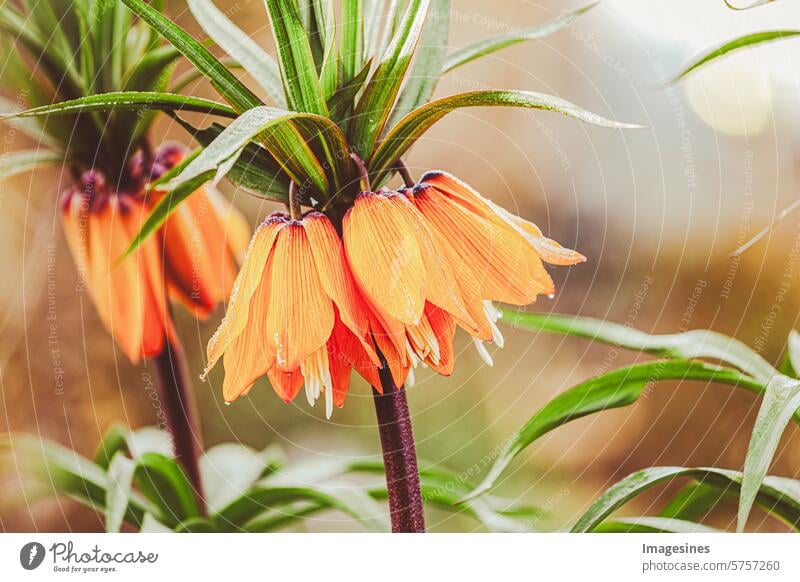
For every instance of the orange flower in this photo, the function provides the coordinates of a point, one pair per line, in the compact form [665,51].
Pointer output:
[192,258]
[443,245]
[295,315]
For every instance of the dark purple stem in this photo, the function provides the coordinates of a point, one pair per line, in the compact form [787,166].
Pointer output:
[399,456]
[180,411]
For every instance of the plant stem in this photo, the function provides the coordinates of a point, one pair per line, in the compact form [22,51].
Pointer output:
[180,410]
[399,456]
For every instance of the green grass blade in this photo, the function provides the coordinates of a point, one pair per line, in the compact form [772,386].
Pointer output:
[412,126]
[781,402]
[746,41]
[19,162]
[491,45]
[647,524]
[164,483]
[777,495]
[256,61]
[612,390]
[298,69]
[428,62]
[352,38]
[376,103]
[228,86]
[691,344]
[128,101]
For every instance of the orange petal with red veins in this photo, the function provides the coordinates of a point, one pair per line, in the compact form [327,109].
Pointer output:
[385,257]
[250,276]
[249,356]
[498,256]
[445,330]
[300,314]
[336,278]
[285,384]
[441,289]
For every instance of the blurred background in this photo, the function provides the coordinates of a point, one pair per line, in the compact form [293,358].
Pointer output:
[656,211]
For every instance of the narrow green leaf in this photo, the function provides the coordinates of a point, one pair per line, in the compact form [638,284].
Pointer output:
[646,524]
[114,441]
[231,89]
[428,62]
[777,495]
[283,139]
[300,81]
[261,65]
[691,344]
[736,44]
[255,170]
[148,72]
[19,162]
[376,103]
[118,491]
[694,501]
[265,495]
[164,483]
[748,6]
[416,123]
[128,101]
[491,45]
[781,401]
[352,38]
[793,352]
[229,469]
[165,207]
[612,390]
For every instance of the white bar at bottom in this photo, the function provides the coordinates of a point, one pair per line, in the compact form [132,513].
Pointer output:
[388,558]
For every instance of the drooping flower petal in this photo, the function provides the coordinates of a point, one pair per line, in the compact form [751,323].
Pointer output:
[385,256]
[249,278]
[300,315]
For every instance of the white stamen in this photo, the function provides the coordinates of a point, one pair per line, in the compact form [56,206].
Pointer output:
[410,379]
[493,315]
[317,377]
[483,352]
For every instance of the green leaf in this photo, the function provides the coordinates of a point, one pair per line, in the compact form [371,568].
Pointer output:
[443,489]
[376,103]
[285,138]
[781,401]
[229,469]
[147,73]
[118,491]
[22,161]
[231,89]
[329,71]
[612,390]
[128,101]
[300,81]
[265,495]
[352,38]
[648,524]
[165,207]
[736,44]
[412,126]
[694,501]
[748,6]
[114,441]
[61,471]
[164,483]
[428,61]
[257,62]
[793,352]
[779,496]
[691,344]
[488,46]
[254,171]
